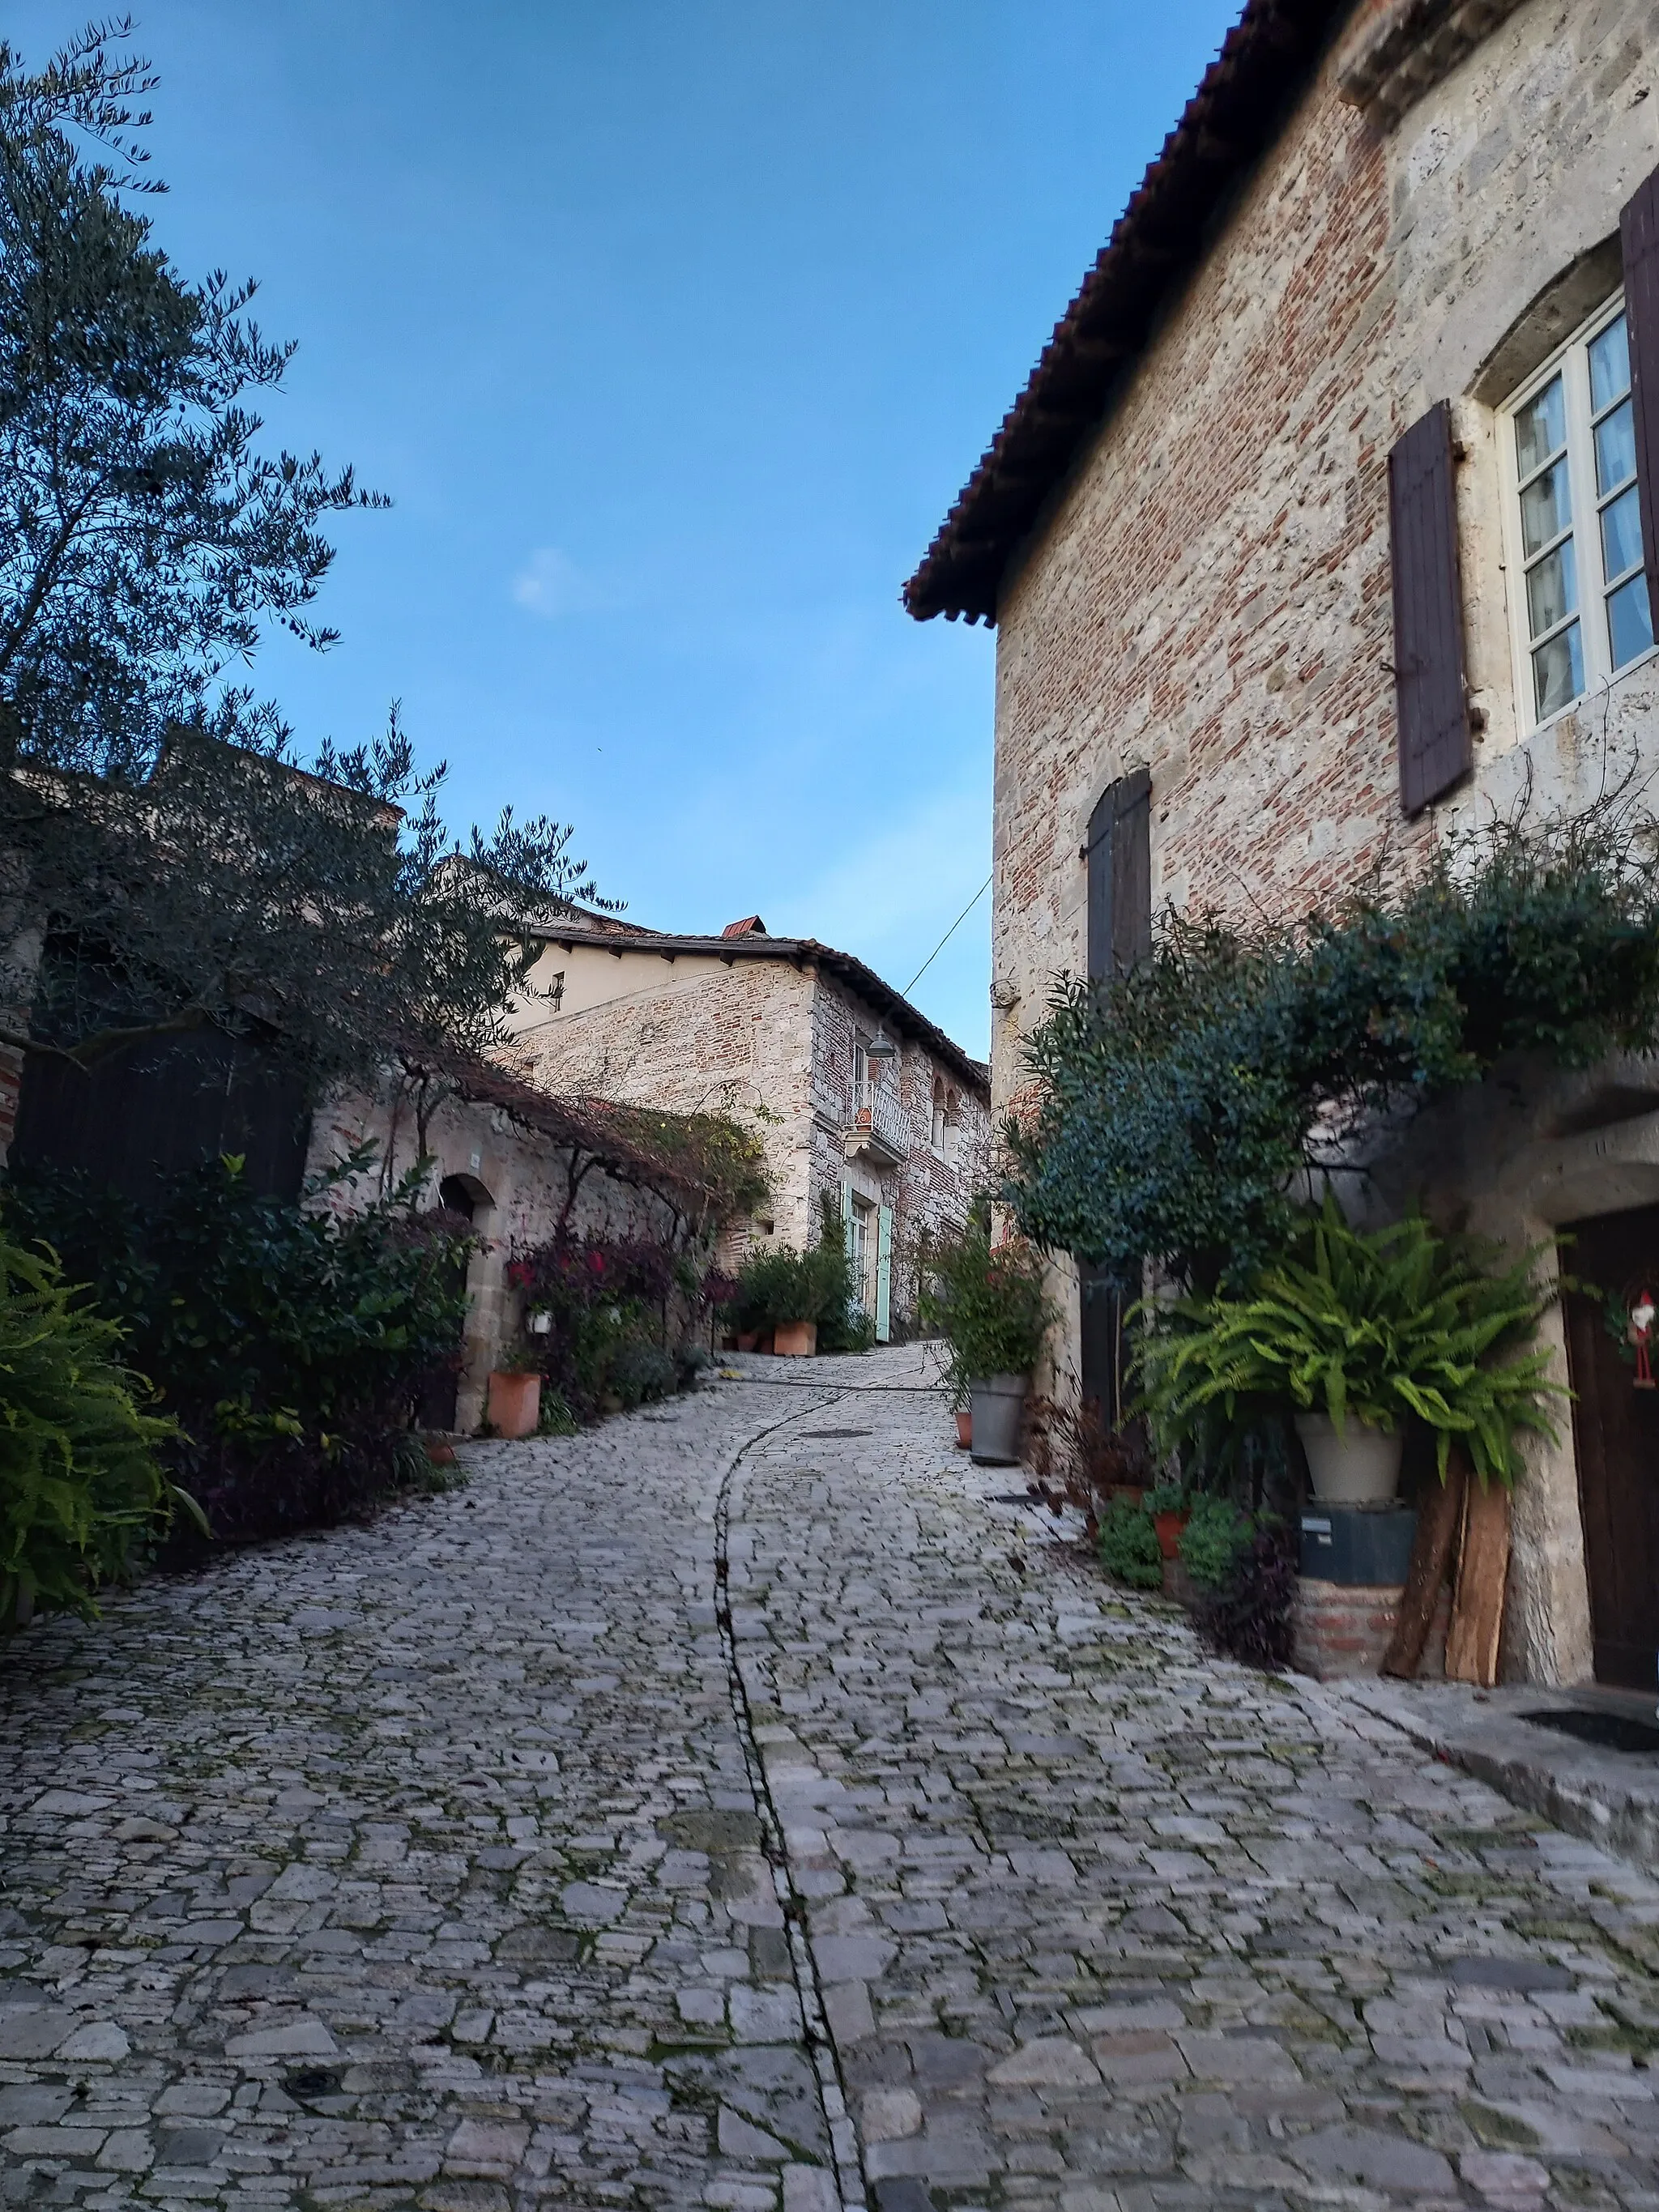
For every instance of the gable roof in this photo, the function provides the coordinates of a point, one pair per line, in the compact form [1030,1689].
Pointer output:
[796,953]
[1156,243]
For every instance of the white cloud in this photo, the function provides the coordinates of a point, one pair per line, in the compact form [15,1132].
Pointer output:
[551,584]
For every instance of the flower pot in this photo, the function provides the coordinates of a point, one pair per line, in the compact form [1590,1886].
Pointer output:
[1168,1527]
[795,1339]
[964,1430]
[515,1404]
[748,1338]
[1361,1466]
[997,1404]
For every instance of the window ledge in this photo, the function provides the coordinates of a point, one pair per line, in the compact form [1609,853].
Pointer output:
[1587,699]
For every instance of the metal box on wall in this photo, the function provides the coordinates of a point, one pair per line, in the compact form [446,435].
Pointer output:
[1364,1547]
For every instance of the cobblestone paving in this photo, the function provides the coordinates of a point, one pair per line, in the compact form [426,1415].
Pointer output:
[436,1865]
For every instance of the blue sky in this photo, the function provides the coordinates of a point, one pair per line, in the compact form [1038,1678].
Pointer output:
[672,327]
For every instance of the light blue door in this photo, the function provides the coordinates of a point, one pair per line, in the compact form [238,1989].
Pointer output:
[883,1274]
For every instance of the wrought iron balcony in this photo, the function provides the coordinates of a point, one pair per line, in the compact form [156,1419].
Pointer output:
[878,1128]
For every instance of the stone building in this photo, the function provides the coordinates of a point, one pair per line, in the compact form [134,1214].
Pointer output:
[777,1032]
[1323,525]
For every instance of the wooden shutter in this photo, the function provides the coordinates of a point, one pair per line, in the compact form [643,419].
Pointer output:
[1430,692]
[1098,858]
[1118,852]
[884,1273]
[1639,238]
[1119,856]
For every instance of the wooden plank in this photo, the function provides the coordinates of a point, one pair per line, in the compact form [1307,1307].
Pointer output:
[1483,1572]
[1439,1522]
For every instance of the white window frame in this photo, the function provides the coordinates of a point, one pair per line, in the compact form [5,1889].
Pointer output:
[1570,361]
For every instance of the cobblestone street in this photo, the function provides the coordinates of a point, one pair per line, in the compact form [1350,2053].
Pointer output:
[616,1830]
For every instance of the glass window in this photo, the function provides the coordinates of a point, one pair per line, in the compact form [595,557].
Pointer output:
[1583,612]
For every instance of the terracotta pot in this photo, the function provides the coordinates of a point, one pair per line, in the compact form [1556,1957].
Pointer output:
[1131,1493]
[796,1340]
[748,1338]
[439,1451]
[965,1429]
[514,1403]
[1168,1527]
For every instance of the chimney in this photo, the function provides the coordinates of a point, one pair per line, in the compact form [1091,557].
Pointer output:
[751,925]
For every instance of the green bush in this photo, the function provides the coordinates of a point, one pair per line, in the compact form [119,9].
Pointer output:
[1380,1327]
[289,1342]
[1177,1108]
[1129,1549]
[82,1486]
[987,1300]
[641,1369]
[1216,1538]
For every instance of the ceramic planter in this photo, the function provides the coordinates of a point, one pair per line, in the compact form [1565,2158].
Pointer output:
[1361,1466]
[796,1340]
[747,1339]
[1168,1527]
[515,1404]
[997,1404]
[965,1429]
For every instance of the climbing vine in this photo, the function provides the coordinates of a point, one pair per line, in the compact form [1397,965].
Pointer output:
[1176,1111]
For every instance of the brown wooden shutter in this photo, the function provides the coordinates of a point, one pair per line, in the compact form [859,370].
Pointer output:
[1430,692]
[1132,873]
[1639,238]
[1120,936]
[1120,878]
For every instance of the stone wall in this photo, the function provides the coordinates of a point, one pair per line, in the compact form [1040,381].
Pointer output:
[1210,594]
[519,1182]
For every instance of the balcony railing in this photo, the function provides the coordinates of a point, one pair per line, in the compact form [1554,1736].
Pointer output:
[878,1125]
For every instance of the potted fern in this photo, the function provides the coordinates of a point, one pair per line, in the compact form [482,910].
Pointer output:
[1354,1334]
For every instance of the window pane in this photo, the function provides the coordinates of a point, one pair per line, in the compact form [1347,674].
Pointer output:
[1615,449]
[1609,359]
[1551,589]
[1558,671]
[1546,506]
[1540,429]
[1621,534]
[1630,625]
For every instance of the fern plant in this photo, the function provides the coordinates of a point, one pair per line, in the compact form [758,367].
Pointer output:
[1379,1327]
[81,1486]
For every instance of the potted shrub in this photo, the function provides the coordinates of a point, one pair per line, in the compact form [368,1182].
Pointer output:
[1352,1334]
[797,1302]
[989,1302]
[514,1402]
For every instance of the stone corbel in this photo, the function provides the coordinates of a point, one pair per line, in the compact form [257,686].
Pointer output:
[1408,46]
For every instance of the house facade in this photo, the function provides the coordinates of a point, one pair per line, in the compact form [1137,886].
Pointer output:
[1324,527]
[855,1096]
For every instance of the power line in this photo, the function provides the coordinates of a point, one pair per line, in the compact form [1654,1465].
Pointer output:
[948,935]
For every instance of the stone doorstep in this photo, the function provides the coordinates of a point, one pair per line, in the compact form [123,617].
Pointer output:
[1610,1798]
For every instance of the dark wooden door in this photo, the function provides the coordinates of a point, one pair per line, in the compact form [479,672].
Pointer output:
[1616,1430]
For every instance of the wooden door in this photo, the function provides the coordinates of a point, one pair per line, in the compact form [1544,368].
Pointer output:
[1616,1431]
